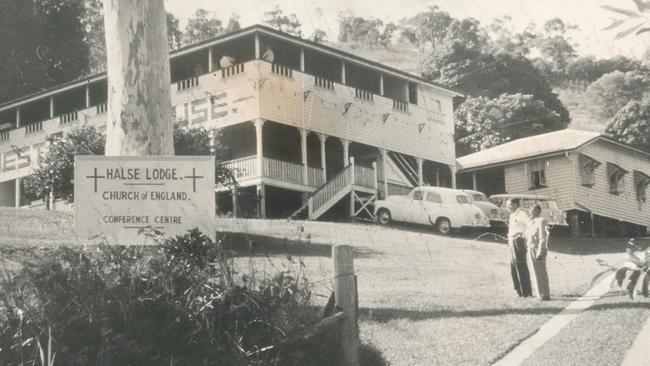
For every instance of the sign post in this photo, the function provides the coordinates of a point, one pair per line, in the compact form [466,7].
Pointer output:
[119,199]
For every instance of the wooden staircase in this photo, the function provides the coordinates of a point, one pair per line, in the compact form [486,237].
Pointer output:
[356,182]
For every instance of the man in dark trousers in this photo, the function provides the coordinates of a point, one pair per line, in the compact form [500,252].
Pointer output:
[517,227]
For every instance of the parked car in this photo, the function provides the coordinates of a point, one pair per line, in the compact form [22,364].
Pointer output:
[444,208]
[480,200]
[551,211]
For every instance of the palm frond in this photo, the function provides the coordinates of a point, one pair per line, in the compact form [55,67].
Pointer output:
[632,280]
[629,13]
[642,6]
[643,30]
[619,277]
[600,275]
[638,289]
[615,23]
[627,31]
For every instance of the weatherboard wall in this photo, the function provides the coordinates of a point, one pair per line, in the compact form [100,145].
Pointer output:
[296,100]
[559,179]
[597,198]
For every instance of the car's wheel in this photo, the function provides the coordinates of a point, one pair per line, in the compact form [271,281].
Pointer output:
[444,226]
[383,216]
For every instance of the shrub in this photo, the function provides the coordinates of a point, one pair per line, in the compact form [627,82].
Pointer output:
[56,170]
[182,303]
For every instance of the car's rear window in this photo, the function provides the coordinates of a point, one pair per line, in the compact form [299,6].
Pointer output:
[497,201]
[462,199]
[479,197]
[528,203]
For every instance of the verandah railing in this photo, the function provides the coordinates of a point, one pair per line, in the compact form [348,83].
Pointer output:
[283,170]
[242,168]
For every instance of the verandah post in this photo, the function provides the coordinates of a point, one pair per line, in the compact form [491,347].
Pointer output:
[352,180]
[346,298]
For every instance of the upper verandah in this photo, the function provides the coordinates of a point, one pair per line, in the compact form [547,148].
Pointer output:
[243,45]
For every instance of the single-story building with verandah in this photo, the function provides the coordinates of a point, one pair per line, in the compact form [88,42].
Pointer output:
[600,183]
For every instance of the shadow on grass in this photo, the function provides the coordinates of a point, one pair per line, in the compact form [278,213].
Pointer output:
[244,244]
[383,315]
[371,356]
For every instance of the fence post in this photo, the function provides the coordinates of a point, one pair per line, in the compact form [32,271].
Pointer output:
[345,295]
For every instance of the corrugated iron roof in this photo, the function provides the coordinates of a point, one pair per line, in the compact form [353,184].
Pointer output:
[528,147]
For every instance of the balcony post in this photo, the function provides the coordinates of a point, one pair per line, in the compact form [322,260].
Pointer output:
[257,46]
[420,177]
[303,157]
[323,156]
[352,181]
[381,84]
[18,117]
[453,175]
[209,59]
[302,59]
[384,164]
[346,152]
[87,96]
[51,107]
[18,193]
[474,184]
[343,76]
[437,177]
[259,163]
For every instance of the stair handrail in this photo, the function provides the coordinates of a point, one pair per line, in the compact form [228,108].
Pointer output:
[343,179]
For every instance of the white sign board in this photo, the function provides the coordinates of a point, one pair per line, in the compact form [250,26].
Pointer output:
[119,199]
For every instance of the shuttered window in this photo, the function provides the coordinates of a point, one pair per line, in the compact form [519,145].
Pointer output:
[587,168]
[615,176]
[641,181]
[536,175]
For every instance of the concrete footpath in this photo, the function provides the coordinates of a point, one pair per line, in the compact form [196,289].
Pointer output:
[639,353]
[552,327]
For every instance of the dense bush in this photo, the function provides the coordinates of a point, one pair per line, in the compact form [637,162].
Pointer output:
[182,301]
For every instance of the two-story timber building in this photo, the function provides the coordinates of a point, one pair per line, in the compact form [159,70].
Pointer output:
[292,121]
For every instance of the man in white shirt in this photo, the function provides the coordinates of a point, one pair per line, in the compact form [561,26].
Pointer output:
[517,227]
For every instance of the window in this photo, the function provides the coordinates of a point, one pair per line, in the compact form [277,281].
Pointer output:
[497,201]
[641,181]
[479,197]
[587,167]
[462,199]
[434,197]
[615,176]
[528,203]
[417,195]
[537,177]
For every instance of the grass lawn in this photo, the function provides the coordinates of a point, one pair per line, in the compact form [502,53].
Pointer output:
[424,299]
[599,336]
[432,300]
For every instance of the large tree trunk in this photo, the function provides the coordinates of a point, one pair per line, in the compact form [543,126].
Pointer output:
[139,103]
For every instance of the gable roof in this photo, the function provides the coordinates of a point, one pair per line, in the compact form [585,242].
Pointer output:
[527,148]
[261,29]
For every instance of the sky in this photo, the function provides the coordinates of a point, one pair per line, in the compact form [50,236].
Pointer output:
[588,15]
